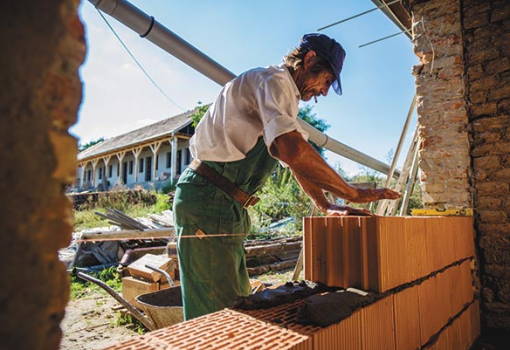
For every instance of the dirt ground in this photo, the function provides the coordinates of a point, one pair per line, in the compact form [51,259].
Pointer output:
[90,322]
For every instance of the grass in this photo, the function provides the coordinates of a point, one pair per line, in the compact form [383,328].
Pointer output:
[80,288]
[88,219]
[277,277]
[126,319]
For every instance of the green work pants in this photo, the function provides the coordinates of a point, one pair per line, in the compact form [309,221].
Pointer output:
[211,227]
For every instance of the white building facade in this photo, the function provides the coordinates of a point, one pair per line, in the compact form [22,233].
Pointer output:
[148,157]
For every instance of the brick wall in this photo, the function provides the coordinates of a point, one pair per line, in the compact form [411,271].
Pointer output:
[442,109]
[40,92]
[486,29]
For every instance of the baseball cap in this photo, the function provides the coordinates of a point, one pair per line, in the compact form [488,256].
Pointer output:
[330,50]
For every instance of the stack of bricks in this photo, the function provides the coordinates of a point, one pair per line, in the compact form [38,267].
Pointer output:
[419,268]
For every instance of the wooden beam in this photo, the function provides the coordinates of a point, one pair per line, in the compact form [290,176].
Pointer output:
[127,234]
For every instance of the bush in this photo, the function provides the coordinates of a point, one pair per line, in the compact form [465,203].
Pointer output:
[120,200]
[132,203]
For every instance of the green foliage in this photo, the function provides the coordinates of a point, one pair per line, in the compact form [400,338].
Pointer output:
[371,176]
[86,219]
[80,288]
[168,187]
[308,116]
[281,197]
[89,144]
[163,202]
[197,116]
[126,319]
[131,204]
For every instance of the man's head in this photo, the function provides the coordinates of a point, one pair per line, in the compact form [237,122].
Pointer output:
[316,65]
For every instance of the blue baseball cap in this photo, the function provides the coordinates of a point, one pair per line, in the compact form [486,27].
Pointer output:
[330,50]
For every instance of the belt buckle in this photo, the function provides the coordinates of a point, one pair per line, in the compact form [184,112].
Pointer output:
[252,200]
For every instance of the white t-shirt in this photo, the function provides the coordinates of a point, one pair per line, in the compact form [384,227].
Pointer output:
[260,102]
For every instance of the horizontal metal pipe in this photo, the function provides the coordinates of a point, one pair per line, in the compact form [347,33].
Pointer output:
[146,26]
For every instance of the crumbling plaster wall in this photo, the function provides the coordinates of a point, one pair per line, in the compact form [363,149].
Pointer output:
[441,105]
[486,34]
[42,47]
[463,89]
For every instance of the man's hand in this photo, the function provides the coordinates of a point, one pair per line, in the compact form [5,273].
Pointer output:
[338,210]
[374,194]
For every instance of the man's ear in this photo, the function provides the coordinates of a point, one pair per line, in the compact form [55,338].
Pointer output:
[309,59]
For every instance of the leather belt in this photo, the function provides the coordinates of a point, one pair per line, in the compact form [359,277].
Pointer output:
[223,183]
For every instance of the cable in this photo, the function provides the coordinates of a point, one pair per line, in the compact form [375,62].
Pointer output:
[138,63]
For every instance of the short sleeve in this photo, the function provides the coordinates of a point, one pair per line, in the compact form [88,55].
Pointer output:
[278,106]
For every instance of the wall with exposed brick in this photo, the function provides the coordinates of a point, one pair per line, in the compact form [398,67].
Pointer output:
[486,35]
[463,89]
[40,92]
[441,104]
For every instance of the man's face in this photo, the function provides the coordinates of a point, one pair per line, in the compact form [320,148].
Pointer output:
[313,84]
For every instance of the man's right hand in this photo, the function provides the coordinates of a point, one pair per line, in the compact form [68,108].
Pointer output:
[339,210]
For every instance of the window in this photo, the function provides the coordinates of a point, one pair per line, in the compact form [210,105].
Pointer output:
[118,169]
[168,160]
[179,157]
[188,156]
[157,162]
[130,167]
[110,171]
[100,173]
[89,175]
[140,165]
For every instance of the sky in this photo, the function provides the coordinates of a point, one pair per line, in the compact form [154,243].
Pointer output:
[377,83]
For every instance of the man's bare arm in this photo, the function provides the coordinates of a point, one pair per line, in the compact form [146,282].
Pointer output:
[307,164]
[318,197]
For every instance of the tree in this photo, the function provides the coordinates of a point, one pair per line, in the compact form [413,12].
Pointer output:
[306,114]
[200,112]
[82,148]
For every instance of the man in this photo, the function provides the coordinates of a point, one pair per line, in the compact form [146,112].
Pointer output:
[251,127]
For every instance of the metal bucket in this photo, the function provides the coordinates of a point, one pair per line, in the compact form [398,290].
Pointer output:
[164,307]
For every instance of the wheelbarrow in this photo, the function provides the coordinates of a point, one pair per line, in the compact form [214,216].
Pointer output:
[162,308]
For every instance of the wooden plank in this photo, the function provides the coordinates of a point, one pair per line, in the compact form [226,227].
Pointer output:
[138,268]
[127,234]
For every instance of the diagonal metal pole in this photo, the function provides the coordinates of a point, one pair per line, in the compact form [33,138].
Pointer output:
[358,15]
